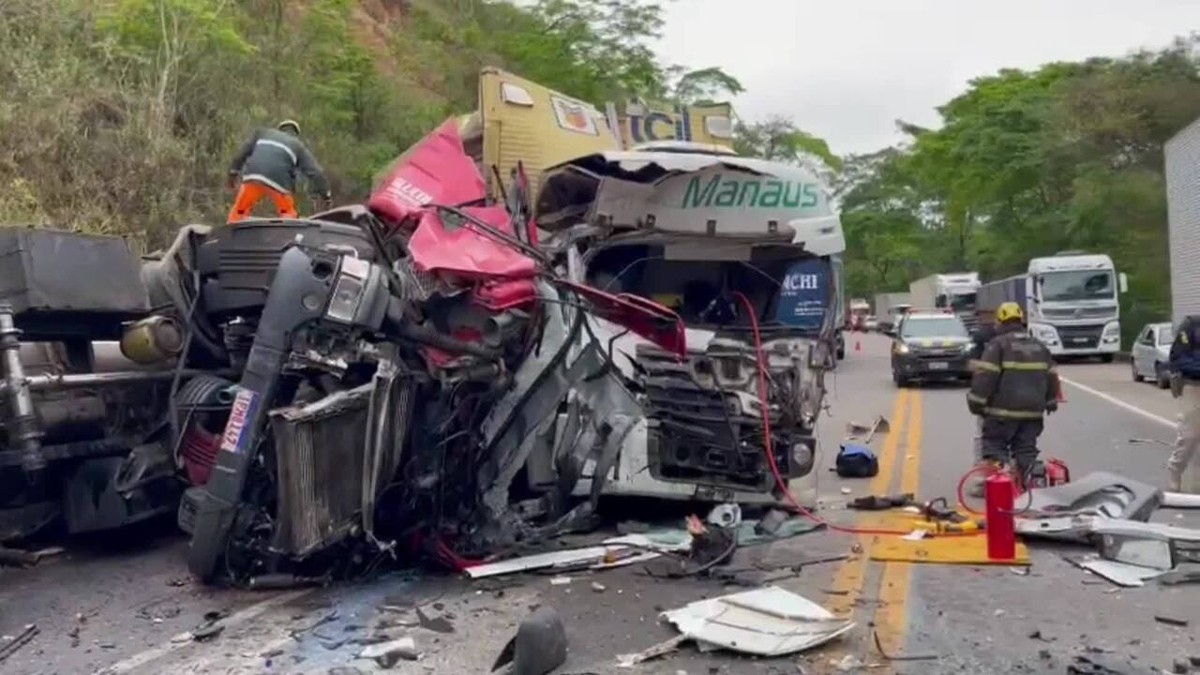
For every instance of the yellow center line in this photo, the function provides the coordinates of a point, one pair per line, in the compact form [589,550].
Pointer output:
[850,577]
[891,617]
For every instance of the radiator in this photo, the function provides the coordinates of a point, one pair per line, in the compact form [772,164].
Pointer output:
[319,450]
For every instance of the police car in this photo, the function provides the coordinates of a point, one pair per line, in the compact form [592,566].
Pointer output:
[930,345]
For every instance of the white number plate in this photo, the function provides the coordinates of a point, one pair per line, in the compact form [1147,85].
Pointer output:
[939,365]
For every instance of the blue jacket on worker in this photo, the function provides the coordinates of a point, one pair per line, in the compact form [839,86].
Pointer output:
[1185,350]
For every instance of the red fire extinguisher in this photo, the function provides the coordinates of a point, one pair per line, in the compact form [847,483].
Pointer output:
[1001,526]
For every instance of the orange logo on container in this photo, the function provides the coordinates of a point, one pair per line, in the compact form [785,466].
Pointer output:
[574,117]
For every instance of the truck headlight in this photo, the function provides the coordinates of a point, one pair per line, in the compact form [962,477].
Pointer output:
[802,459]
[901,348]
[1045,333]
[348,289]
[1112,333]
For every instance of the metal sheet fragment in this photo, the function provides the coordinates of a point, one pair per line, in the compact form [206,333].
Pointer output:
[767,622]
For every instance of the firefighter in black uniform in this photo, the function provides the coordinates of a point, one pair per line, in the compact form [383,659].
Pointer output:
[1013,387]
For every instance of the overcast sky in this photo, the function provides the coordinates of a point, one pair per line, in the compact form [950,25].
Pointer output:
[845,70]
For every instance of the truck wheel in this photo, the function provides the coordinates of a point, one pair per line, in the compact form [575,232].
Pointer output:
[899,379]
[1133,369]
[841,352]
[1106,358]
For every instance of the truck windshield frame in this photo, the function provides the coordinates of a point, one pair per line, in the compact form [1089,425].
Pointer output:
[963,302]
[701,290]
[1073,285]
[948,326]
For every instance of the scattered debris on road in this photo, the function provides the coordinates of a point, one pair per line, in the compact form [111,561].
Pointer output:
[1171,621]
[880,502]
[1179,577]
[856,430]
[899,657]
[1111,513]
[15,557]
[768,621]
[653,652]
[539,646]
[18,641]
[1121,574]
[438,624]
[388,654]
[279,582]
[1099,664]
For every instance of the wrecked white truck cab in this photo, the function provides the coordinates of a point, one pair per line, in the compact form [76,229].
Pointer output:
[712,236]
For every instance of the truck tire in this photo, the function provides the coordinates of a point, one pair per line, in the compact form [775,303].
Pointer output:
[900,380]
[1133,370]
[841,352]
[1161,379]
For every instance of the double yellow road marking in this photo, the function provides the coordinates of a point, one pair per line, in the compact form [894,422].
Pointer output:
[891,617]
[850,577]
[902,447]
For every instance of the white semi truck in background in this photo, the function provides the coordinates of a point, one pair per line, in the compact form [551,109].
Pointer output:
[889,307]
[955,292]
[1070,301]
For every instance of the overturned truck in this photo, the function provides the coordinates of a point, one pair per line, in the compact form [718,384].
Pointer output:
[432,374]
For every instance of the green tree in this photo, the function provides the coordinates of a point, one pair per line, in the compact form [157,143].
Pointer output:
[882,218]
[1067,156]
[778,139]
[596,50]
[703,86]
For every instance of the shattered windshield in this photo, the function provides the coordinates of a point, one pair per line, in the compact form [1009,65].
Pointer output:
[1077,285]
[702,292]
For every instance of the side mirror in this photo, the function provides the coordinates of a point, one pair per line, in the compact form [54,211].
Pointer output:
[1123,282]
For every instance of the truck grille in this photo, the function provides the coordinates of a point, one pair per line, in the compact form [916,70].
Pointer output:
[1080,337]
[1106,313]
[701,435]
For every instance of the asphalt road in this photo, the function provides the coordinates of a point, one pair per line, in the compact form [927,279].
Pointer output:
[115,606]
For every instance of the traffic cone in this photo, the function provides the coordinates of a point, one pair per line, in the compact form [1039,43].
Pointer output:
[1060,397]
[857,345]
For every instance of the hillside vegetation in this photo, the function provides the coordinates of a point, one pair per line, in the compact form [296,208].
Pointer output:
[121,115]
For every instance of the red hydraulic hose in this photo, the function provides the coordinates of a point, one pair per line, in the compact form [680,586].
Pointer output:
[454,560]
[984,469]
[768,445]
